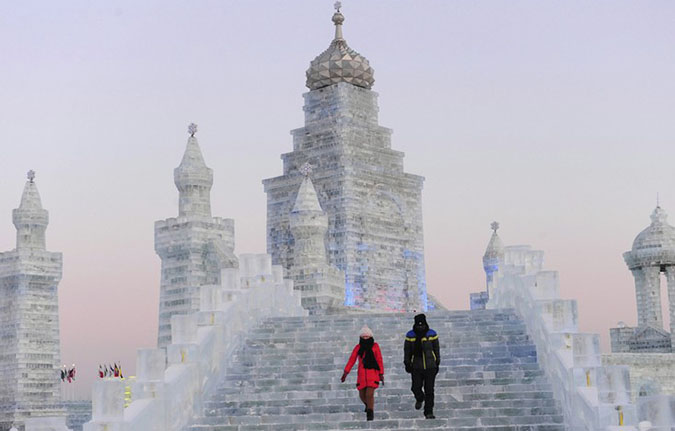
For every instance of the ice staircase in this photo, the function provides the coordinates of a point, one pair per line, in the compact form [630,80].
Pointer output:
[287,377]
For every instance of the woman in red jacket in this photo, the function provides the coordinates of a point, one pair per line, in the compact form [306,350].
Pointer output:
[371,369]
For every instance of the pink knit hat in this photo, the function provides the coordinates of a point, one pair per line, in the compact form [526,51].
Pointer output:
[366,332]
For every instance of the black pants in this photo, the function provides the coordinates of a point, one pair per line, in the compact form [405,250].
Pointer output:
[424,379]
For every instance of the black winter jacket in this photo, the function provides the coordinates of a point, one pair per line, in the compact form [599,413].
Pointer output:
[431,354]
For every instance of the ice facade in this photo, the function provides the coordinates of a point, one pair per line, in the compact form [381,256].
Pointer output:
[194,247]
[29,318]
[644,339]
[651,374]
[374,208]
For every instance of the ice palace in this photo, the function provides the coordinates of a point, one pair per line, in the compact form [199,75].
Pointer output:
[344,246]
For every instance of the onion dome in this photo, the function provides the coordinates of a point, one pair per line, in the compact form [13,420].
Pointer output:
[654,246]
[495,248]
[339,63]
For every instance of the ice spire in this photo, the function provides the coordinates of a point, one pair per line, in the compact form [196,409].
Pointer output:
[30,219]
[308,223]
[307,200]
[193,180]
[495,248]
[338,19]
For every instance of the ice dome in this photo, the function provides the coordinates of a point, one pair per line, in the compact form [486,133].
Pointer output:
[339,63]
[655,245]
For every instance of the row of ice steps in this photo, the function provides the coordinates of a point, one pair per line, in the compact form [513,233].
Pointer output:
[287,377]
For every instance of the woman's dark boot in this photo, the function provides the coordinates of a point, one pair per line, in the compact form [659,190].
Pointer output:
[369,414]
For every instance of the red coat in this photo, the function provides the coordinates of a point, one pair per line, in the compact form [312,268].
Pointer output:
[367,378]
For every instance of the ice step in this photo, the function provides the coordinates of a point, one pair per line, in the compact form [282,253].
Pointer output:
[286,377]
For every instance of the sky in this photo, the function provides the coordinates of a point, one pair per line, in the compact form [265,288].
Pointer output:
[553,118]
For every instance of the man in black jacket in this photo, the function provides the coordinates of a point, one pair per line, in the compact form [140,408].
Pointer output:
[422,357]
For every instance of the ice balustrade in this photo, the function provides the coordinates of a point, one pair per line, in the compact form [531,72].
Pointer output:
[170,385]
[593,396]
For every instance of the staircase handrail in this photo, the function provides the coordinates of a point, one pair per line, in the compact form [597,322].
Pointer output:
[593,396]
[172,384]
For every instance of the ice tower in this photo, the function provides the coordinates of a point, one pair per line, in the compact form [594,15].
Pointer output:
[194,247]
[29,318]
[652,254]
[374,208]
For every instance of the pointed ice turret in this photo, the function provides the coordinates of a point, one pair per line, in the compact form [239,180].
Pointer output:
[493,258]
[30,219]
[193,180]
[495,248]
[322,285]
[309,223]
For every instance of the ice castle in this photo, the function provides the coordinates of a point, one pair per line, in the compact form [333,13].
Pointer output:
[345,247]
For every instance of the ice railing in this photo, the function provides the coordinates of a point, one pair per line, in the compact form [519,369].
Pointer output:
[170,386]
[593,396]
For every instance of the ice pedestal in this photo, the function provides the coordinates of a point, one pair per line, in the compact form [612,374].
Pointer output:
[230,279]
[46,424]
[659,410]
[210,298]
[150,366]
[107,406]
[255,268]
[184,329]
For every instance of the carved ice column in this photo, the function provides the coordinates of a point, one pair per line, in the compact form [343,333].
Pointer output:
[652,297]
[639,277]
[670,277]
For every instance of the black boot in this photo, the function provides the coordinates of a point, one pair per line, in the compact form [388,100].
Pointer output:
[418,405]
[429,415]
[369,414]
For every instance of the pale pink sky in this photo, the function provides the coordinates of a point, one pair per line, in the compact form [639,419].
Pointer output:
[554,118]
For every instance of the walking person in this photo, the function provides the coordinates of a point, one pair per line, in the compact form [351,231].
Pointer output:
[422,358]
[371,369]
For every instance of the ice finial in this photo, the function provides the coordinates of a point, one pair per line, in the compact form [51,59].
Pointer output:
[494,226]
[306,169]
[192,129]
[338,19]
[659,215]
[31,176]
